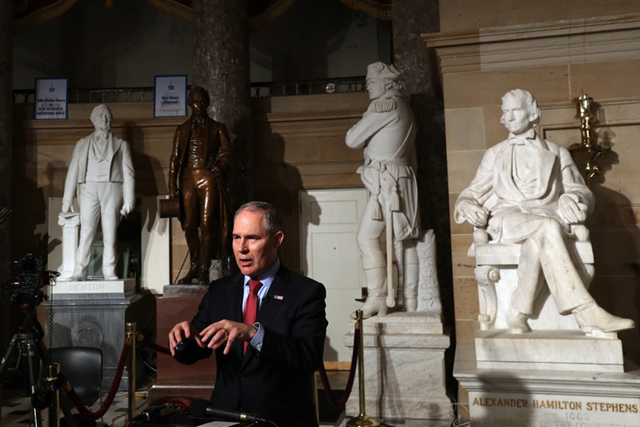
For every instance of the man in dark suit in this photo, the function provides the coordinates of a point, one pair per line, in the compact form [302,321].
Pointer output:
[265,366]
[201,162]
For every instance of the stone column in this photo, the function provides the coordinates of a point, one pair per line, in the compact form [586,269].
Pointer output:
[421,81]
[6,108]
[221,66]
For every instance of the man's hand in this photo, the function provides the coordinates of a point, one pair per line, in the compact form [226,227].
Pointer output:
[67,207]
[475,214]
[180,332]
[126,208]
[572,211]
[216,334]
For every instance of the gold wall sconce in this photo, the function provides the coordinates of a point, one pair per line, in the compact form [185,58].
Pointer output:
[589,142]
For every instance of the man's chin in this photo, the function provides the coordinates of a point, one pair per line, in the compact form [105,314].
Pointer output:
[246,270]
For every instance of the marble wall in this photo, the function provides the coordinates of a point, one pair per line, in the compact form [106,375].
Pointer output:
[488,48]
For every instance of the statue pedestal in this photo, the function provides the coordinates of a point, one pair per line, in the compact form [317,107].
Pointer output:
[529,391]
[548,350]
[180,302]
[94,314]
[404,368]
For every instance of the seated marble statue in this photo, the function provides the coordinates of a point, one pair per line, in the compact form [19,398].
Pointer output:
[528,191]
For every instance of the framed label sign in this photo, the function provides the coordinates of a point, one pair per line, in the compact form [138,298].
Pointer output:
[170,96]
[51,99]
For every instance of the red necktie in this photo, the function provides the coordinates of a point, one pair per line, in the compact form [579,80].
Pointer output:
[251,307]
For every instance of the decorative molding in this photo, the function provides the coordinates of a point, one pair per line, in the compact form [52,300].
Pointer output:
[550,43]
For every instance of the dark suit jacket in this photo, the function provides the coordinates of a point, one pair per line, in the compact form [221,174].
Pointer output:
[276,382]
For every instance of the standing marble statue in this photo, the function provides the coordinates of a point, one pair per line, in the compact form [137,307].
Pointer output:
[387,133]
[102,171]
[528,190]
[201,161]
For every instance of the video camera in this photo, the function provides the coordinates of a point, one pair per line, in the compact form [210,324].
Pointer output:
[30,276]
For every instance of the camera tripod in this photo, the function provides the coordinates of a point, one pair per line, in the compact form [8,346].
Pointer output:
[27,343]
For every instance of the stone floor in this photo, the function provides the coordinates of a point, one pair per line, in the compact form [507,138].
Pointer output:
[15,409]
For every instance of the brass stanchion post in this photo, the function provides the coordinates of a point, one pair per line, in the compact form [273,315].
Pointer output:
[362,420]
[53,379]
[131,339]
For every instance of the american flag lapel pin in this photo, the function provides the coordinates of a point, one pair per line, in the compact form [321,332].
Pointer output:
[278,297]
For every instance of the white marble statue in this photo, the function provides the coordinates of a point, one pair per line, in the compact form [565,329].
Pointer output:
[102,171]
[528,191]
[387,133]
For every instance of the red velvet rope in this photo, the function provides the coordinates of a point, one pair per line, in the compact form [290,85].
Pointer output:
[152,345]
[92,416]
[347,392]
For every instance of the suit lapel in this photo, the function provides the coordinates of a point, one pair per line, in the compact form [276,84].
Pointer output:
[274,298]
[236,297]
[112,146]
[184,142]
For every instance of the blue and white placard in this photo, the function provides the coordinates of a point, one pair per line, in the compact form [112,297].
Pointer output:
[51,99]
[170,96]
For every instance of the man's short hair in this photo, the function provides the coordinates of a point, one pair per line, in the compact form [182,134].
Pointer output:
[202,91]
[530,102]
[273,219]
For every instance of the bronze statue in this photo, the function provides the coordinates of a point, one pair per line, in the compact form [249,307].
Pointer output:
[201,160]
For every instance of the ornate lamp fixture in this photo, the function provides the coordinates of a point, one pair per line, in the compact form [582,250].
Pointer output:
[594,150]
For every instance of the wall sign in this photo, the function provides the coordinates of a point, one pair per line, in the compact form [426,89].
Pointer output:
[51,99]
[170,96]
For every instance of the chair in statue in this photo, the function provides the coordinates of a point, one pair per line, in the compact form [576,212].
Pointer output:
[497,276]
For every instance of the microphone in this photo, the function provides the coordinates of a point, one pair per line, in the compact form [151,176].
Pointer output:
[201,408]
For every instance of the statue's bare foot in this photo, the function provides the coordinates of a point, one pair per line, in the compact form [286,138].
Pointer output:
[592,317]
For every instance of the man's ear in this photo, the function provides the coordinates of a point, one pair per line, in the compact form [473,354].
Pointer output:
[279,237]
[534,118]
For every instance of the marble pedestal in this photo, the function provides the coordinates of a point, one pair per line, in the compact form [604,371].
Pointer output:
[94,314]
[404,368]
[530,397]
[548,350]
